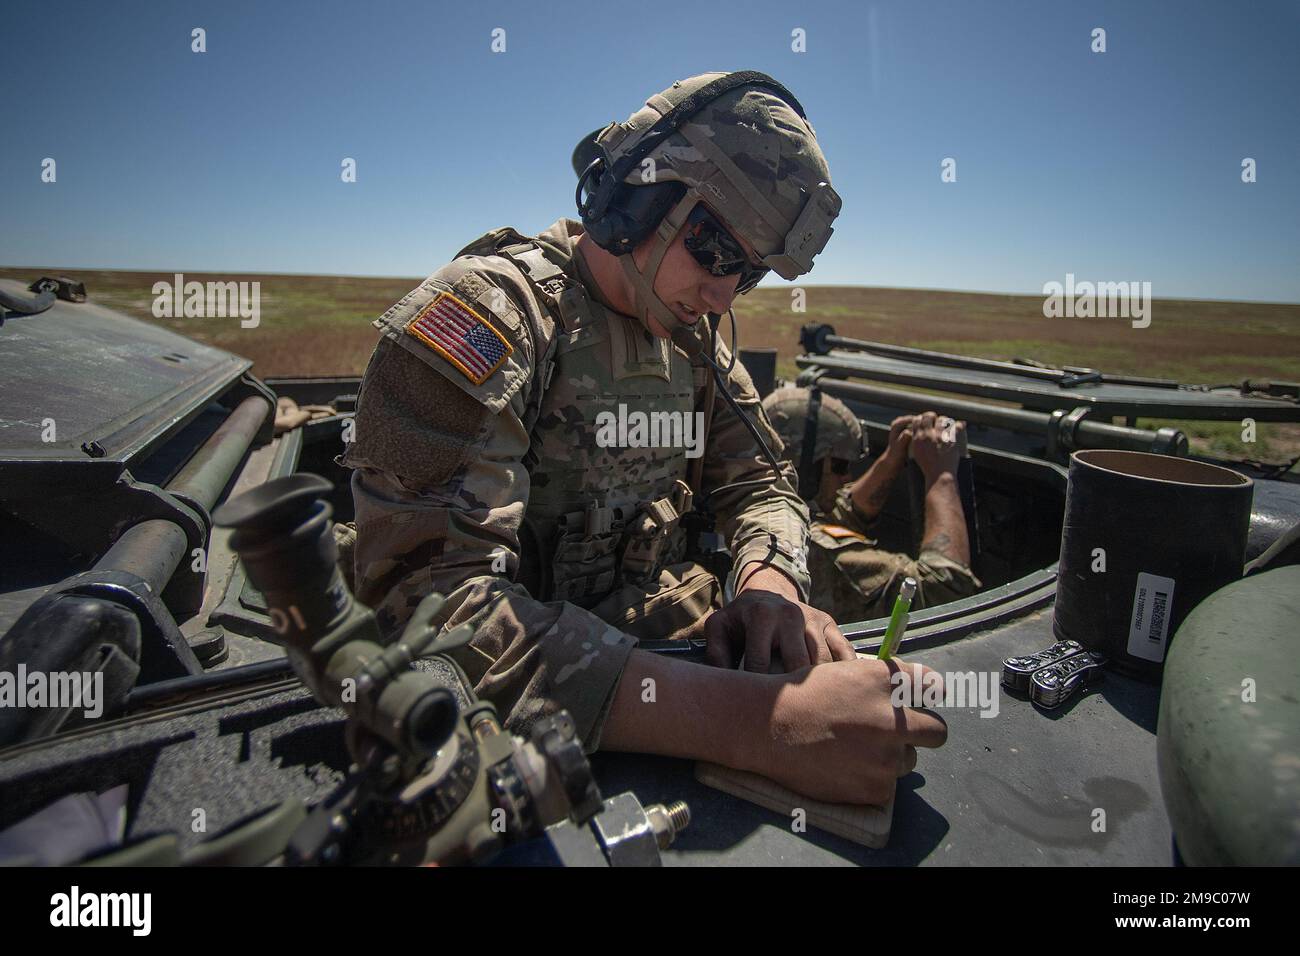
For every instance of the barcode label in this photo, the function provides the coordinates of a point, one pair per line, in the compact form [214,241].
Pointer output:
[1149,628]
[1157,630]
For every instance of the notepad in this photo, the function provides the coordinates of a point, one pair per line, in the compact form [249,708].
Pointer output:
[865,825]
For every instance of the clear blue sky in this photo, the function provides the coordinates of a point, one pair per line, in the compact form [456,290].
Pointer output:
[1122,165]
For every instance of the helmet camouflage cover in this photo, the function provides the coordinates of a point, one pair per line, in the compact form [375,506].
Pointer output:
[839,434]
[751,157]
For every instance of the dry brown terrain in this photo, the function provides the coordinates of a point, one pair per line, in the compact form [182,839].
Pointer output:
[315,325]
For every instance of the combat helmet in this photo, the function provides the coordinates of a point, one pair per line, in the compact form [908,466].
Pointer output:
[813,426]
[739,142]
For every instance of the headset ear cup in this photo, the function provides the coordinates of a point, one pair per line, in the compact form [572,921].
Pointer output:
[633,213]
[646,206]
[612,230]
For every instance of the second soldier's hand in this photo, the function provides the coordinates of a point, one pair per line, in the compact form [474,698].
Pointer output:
[768,614]
[935,445]
[900,439]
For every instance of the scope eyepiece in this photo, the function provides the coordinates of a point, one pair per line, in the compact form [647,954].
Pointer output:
[432,720]
[276,505]
[282,532]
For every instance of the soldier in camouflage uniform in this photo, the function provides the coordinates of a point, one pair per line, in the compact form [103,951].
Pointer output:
[850,575]
[482,470]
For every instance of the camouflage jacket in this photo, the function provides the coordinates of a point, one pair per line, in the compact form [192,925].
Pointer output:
[854,580]
[475,414]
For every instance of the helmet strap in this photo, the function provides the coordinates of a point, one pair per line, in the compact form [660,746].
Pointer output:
[644,299]
[809,479]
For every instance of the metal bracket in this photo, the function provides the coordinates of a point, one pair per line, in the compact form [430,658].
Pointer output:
[46,290]
[90,525]
[164,652]
[1082,377]
[1054,450]
[556,739]
[1061,432]
[809,377]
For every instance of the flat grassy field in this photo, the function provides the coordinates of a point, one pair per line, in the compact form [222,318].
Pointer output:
[320,325]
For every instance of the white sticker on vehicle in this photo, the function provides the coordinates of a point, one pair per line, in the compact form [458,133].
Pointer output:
[1152,601]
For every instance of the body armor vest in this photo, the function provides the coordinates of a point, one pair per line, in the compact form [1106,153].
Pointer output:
[607,454]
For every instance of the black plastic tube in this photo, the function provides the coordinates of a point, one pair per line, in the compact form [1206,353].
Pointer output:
[1146,538]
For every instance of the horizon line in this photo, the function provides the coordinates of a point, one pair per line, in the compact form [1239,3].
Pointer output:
[823,285]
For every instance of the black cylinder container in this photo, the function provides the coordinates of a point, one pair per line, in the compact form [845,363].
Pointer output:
[1146,538]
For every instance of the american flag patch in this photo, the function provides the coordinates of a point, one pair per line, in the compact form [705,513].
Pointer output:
[460,335]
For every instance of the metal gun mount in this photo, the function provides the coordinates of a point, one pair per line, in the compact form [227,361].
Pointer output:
[431,781]
[1061,409]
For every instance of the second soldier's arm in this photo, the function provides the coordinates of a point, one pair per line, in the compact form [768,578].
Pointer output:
[870,492]
[937,452]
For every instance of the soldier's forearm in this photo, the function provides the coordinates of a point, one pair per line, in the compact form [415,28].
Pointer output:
[945,523]
[871,491]
[678,709]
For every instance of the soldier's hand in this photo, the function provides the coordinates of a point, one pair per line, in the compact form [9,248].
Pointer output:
[759,620]
[963,450]
[900,438]
[837,736]
[935,445]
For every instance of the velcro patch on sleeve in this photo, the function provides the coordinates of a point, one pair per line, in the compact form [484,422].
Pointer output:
[462,336]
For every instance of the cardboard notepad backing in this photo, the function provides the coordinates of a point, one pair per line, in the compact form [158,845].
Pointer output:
[865,825]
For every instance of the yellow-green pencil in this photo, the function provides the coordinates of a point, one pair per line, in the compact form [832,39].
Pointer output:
[897,619]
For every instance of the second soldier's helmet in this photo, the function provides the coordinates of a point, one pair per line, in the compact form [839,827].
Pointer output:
[738,141]
[836,431]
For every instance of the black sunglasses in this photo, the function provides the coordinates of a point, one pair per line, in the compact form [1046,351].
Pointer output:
[717,250]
